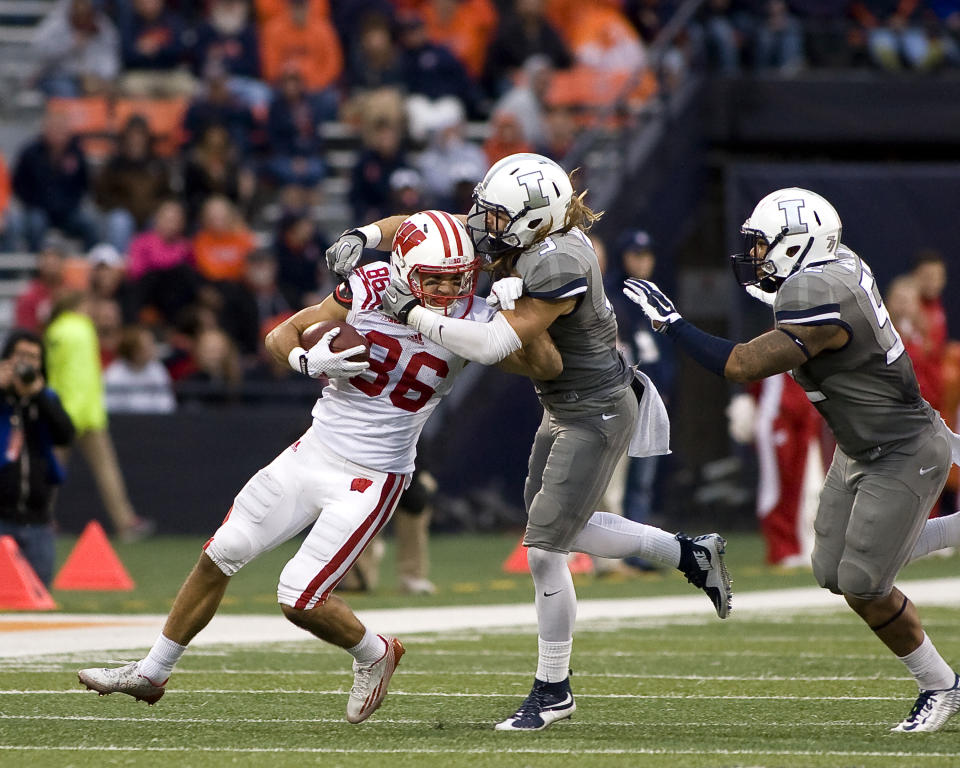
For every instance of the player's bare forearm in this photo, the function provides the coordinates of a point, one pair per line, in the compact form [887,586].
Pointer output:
[388,229]
[282,339]
[530,318]
[539,360]
[779,350]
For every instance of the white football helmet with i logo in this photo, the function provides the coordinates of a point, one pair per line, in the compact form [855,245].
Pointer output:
[521,196]
[789,229]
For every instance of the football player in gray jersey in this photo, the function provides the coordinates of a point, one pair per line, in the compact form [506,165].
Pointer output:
[893,453]
[527,221]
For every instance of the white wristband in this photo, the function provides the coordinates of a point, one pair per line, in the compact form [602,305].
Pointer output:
[294,359]
[372,233]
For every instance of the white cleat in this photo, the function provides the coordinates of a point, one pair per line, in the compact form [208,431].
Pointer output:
[931,710]
[370,682]
[126,679]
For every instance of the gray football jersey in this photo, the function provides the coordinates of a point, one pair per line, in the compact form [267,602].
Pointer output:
[564,266]
[866,391]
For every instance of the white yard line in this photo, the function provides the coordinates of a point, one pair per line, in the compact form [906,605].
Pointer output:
[90,632]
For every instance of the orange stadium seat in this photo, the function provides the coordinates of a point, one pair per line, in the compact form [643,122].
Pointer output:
[164,116]
[588,91]
[89,118]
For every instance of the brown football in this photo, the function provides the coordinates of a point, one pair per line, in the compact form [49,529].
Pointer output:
[347,338]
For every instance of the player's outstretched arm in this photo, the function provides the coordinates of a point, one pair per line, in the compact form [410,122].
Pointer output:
[283,339]
[538,359]
[777,351]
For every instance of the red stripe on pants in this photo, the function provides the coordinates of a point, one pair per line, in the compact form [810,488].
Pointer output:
[378,517]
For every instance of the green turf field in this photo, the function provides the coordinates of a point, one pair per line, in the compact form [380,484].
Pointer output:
[805,689]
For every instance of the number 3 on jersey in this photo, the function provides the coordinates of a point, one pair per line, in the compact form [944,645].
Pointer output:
[408,383]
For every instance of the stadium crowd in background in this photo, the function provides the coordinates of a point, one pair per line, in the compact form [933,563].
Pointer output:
[233,157]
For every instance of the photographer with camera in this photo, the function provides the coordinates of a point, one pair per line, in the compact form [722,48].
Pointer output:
[32,421]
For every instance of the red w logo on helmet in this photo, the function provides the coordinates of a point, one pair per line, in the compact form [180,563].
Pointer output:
[407,237]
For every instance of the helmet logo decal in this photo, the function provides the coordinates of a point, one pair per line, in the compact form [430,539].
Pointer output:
[531,182]
[791,210]
[408,236]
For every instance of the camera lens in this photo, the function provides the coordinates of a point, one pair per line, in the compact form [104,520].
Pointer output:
[26,373]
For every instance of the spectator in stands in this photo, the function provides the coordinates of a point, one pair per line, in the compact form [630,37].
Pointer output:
[299,251]
[506,137]
[722,39]
[293,134]
[217,374]
[267,10]
[432,70]
[131,184]
[51,180]
[930,276]
[349,17]
[522,34]
[107,277]
[160,269]
[447,146]
[561,131]
[32,422]
[216,104]
[78,50]
[74,373]
[407,193]
[464,27]
[107,317]
[896,34]
[228,38]
[222,243]
[35,304]
[779,39]
[903,302]
[598,34]
[136,381]
[382,134]
[249,303]
[154,55]
[526,101]
[375,60]
[307,42]
[11,223]
[213,168]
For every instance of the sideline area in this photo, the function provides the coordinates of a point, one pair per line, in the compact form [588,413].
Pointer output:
[35,634]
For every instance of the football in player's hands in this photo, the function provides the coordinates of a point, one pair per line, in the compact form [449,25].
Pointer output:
[347,338]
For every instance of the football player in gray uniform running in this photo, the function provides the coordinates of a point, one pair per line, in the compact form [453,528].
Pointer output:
[893,452]
[527,221]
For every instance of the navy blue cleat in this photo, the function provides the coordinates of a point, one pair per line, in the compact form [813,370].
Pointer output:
[546,703]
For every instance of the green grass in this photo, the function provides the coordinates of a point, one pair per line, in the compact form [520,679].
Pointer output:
[802,690]
[805,690]
[466,569]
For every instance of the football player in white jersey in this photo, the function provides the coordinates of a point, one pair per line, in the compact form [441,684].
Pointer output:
[352,464]
[528,221]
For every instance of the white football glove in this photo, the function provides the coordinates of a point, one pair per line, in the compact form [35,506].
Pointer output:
[761,295]
[654,302]
[344,254]
[505,292]
[320,360]
[397,300]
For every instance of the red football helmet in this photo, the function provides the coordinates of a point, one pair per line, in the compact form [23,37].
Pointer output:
[432,253]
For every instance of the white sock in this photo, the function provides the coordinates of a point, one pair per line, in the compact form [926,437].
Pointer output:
[157,665]
[929,669]
[553,663]
[609,535]
[370,649]
[938,533]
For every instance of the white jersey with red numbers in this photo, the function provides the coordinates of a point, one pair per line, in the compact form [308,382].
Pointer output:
[375,419]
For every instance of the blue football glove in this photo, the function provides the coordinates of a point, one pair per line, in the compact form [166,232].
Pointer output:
[652,301]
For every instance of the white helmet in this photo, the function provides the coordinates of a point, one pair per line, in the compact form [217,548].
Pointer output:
[797,227]
[530,193]
[435,243]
